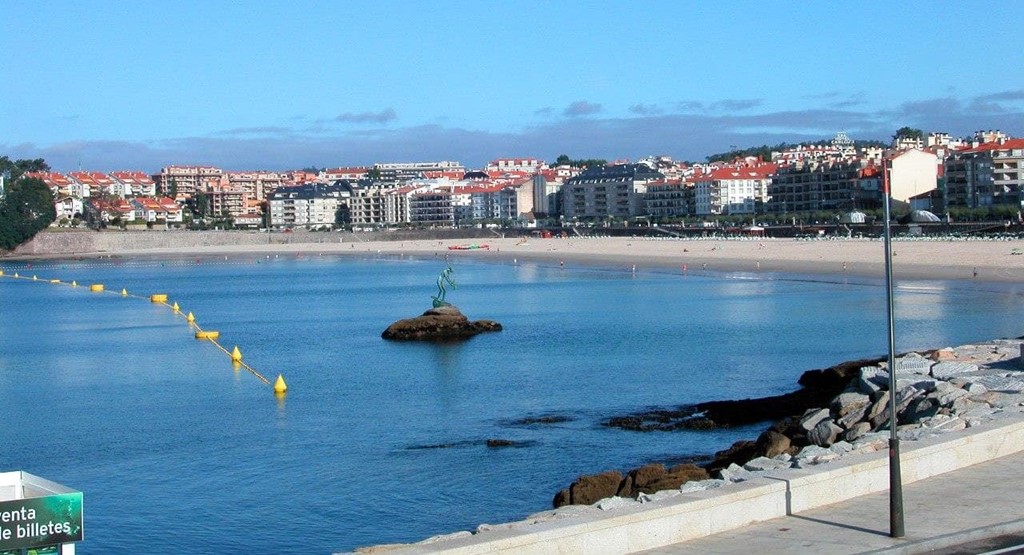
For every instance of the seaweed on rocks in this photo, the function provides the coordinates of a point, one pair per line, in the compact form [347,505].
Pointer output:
[818,387]
[784,436]
[543,419]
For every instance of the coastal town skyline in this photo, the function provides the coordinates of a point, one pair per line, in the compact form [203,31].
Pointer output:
[103,87]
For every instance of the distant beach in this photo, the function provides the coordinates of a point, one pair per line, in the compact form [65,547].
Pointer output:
[944,260]
[940,259]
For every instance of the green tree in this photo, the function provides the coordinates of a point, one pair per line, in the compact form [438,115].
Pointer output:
[342,216]
[202,205]
[26,209]
[907,133]
[12,170]
[586,163]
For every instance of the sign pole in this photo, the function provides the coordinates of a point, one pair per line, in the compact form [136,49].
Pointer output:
[896,529]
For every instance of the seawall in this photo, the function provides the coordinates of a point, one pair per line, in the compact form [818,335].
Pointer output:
[53,243]
[956,408]
[699,514]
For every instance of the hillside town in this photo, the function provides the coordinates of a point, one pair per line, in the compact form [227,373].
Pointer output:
[934,173]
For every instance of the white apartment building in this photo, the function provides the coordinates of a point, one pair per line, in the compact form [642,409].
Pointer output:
[309,205]
[733,189]
[608,192]
[986,175]
[912,173]
[184,182]
[133,184]
[257,184]
[668,199]
[515,165]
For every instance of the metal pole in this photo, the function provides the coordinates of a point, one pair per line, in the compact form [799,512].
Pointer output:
[896,529]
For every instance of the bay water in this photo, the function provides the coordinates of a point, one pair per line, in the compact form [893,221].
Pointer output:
[379,442]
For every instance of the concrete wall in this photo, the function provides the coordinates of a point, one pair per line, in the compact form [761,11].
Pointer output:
[53,242]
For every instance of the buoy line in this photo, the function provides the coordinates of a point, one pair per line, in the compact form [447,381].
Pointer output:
[280,387]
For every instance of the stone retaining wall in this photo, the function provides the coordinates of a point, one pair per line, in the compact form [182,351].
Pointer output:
[72,242]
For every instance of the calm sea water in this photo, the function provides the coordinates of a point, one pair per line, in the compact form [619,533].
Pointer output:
[176,452]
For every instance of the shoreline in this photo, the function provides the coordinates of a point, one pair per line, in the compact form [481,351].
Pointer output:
[958,260]
[834,435]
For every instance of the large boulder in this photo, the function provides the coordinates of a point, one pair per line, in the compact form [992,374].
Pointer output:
[588,490]
[654,477]
[444,323]
[772,444]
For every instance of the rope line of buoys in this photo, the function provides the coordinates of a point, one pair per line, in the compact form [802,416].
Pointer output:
[161,298]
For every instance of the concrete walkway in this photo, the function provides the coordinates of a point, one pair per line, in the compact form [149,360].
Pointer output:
[980,501]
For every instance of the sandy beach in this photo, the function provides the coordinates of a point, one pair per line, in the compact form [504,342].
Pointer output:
[956,260]
[981,260]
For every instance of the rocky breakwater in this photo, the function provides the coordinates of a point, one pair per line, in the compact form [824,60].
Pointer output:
[841,410]
[444,323]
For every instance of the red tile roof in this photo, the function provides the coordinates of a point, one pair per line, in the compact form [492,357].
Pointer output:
[1005,145]
[762,171]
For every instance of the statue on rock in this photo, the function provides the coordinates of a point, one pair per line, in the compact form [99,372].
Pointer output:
[442,322]
[445,277]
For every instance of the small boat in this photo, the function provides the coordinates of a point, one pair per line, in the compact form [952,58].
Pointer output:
[468,247]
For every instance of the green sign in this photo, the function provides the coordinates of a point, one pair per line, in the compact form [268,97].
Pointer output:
[41,521]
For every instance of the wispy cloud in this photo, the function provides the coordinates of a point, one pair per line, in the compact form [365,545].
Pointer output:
[581,108]
[828,95]
[848,103]
[384,116]
[727,105]
[687,136]
[646,110]
[259,130]
[688,106]
[735,105]
[918,108]
[1002,96]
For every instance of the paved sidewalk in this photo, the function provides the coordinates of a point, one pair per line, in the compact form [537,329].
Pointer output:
[980,501]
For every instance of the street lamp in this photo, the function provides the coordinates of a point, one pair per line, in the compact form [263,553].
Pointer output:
[896,529]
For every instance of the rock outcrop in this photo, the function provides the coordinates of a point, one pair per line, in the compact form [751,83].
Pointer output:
[589,489]
[844,409]
[439,324]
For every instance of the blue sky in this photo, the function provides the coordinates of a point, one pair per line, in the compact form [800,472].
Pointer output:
[282,85]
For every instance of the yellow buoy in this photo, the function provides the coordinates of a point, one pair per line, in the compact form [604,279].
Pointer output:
[279,385]
[74,283]
[190,319]
[34,278]
[124,292]
[236,355]
[1,272]
[207,334]
[158,298]
[96,287]
[16,274]
[176,308]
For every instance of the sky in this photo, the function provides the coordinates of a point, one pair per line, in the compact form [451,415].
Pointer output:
[281,85]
